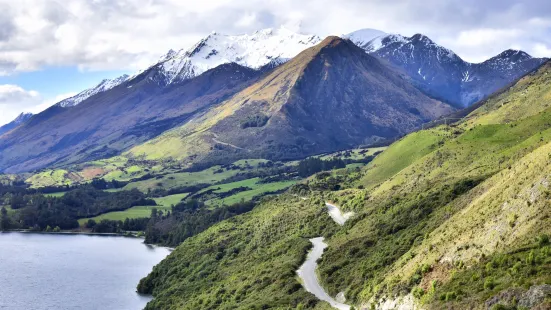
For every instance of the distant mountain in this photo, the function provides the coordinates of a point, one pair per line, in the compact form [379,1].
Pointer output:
[331,96]
[442,74]
[249,50]
[364,37]
[105,85]
[483,79]
[22,118]
[118,115]
[112,121]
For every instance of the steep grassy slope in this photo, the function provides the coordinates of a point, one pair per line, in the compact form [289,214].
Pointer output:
[506,212]
[529,96]
[403,153]
[332,96]
[434,211]
[452,222]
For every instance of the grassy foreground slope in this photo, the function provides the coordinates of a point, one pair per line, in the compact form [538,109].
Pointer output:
[470,197]
[247,262]
[459,219]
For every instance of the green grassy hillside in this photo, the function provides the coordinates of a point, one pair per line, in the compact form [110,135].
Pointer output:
[247,262]
[451,216]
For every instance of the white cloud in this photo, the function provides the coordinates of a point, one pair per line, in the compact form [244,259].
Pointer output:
[13,94]
[541,50]
[478,37]
[129,34]
[14,100]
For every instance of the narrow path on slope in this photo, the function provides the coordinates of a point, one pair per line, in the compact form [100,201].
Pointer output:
[307,272]
[310,281]
[215,139]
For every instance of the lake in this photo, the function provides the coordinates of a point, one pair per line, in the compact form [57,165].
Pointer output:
[49,271]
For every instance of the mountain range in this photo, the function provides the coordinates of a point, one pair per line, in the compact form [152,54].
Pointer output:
[441,73]
[331,96]
[251,95]
[262,48]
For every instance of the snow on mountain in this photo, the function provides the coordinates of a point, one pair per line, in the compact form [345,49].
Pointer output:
[22,118]
[440,72]
[434,66]
[264,47]
[250,50]
[402,47]
[364,37]
[507,60]
[101,87]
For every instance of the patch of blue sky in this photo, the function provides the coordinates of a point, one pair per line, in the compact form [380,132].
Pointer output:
[53,81]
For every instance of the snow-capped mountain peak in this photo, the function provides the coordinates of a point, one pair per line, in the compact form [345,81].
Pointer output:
[170,54]
[440,72]
[104,85]
[513,55]
[364,37]
[398,44]
[23,117]
[507,61]
[250,50]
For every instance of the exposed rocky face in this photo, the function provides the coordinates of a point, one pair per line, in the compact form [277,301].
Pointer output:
[529,299]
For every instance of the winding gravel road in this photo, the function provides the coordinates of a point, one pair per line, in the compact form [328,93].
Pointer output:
[310,281]
[307,272]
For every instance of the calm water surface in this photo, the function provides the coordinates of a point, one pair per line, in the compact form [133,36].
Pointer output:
[41,271]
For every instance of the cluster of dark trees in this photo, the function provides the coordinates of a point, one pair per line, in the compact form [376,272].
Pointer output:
[258,120]
[187,219]
[110,226]
[96,183]
[313,165]
[212,194]
[103,184]
[162,192]
[37,211]
[4,219]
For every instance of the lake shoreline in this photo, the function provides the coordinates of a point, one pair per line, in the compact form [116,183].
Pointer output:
[84,233]
[40,264]
[28,231]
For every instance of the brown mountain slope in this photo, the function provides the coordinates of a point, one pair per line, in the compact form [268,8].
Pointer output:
[329,97]
[115,120]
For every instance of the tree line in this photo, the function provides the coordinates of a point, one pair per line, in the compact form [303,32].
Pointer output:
[36,211]
[313,165]
[187,219]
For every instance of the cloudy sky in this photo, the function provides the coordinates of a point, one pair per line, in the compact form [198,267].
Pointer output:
[52,49]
